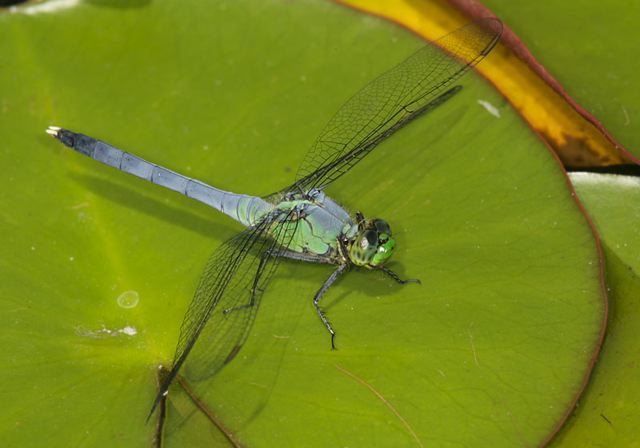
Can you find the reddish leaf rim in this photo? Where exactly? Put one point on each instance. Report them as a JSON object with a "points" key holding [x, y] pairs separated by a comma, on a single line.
{"points": [[474, 9]]}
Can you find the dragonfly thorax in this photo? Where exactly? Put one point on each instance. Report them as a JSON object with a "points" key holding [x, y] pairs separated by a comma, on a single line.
{"points": [[373, 245]]}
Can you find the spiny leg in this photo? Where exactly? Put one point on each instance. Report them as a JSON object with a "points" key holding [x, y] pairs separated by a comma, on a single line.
{"points": [[254, 287], [316, 300], [397, 278], [302, 256]]}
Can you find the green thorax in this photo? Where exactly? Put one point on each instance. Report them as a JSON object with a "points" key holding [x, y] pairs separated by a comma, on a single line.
{"points": [[314, 225]]}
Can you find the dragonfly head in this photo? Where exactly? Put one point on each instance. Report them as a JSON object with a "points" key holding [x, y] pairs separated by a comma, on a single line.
{"points": [[373, 245]]}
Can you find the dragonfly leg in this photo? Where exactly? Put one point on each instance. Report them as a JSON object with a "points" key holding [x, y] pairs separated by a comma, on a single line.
{"points": [[397, 278], [254, 288], [316, 300], [300, 256]]}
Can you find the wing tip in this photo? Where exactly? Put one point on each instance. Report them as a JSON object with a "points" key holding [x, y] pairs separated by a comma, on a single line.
{"points": [[494, 27], [164, 381]]}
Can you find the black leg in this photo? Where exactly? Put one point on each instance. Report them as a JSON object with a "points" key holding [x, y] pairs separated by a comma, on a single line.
{"points": [[308, 257], [263, 259], [316, 300], [397, 278]]}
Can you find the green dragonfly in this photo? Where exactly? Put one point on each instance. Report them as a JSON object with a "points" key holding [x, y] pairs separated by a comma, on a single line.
{"points": [[300, 222]]}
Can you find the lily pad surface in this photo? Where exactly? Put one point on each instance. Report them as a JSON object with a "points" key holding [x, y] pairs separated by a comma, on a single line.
{"points": [[98, 267]]}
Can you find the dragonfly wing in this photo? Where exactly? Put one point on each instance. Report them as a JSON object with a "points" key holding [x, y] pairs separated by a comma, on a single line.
{"points": [[393, 99], [227, 298]]}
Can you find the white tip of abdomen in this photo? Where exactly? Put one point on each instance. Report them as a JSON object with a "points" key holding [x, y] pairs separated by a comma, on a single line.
{"points": [[53, 130]]}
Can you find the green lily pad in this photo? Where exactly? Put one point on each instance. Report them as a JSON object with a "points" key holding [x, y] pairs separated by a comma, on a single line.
{"points": [[590, 48], [607, 413], [98, 267]]}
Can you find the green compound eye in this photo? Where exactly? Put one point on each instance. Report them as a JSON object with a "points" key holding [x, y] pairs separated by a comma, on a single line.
{"points": [[384, 250], [371, 248]]}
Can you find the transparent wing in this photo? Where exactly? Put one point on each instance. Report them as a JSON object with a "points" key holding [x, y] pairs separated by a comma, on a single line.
{"points": [[383, 106], [227, 298]]}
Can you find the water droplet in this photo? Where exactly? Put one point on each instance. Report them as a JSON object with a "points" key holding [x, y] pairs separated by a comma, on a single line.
{"points": [[104, 332], [129, 331], [128, 299]]}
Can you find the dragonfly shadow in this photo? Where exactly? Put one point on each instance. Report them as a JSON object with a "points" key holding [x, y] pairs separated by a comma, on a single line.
{"points": [[377, 283], [262, 384], [370, 283], [150, 206]]}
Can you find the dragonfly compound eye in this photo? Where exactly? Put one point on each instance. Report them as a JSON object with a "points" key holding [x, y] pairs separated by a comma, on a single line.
{"points": [[371, 236], [382, 226], [385, 250]]}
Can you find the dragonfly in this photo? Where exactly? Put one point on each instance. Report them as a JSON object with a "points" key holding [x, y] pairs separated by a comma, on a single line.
{"points": [[300, 222]]}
